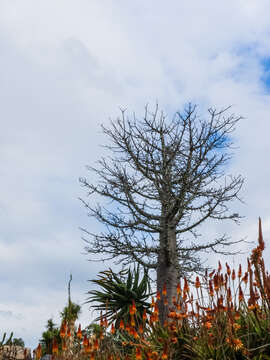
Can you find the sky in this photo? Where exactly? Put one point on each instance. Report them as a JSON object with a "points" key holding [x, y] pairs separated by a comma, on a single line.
{"points": [[68, 66]]}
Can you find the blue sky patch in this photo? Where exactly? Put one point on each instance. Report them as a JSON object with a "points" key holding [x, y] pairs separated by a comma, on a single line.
{"points": [[266, 72]]}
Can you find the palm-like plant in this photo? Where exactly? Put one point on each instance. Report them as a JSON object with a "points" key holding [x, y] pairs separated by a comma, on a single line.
{"points": [[72, 311], [119, 292], [70, 314]]}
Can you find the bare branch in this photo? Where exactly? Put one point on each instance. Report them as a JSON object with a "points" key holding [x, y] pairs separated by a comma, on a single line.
{"points": [[164, 178]]}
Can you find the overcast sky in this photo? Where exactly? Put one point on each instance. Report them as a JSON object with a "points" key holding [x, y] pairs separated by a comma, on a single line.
{"points": [[67, 66]]}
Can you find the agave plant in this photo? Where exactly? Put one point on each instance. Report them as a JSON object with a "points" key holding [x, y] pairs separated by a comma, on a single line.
{"points": [[119, 292]]}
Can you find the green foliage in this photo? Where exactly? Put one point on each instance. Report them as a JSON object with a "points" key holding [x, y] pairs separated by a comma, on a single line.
{"points": [[93, 329], [118, 291], [18, 342], [52, 331], [71, 312]]}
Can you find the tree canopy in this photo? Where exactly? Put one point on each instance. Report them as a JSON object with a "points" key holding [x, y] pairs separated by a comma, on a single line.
{"points": [[163, 179]]}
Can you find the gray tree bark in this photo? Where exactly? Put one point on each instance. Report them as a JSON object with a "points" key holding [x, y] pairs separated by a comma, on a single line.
{"points": [[167, 269]]}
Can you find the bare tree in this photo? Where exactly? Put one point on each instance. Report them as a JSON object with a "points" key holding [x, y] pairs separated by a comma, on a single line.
{"points": [[164, 180]]}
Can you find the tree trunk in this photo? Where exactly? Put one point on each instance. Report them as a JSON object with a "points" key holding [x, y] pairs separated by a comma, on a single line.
{"points": [[167, 272]]}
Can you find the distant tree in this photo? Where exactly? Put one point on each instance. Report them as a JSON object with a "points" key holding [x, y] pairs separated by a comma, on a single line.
{"points": [[164, 178], [70, 312], [52, 331], [18, 342]]}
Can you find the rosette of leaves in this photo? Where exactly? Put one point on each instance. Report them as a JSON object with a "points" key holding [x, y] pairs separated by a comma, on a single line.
{"points": [[117, 292]]}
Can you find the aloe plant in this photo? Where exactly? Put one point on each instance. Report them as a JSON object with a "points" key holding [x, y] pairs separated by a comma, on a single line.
{"points": [[118, 292], [8, 341]]}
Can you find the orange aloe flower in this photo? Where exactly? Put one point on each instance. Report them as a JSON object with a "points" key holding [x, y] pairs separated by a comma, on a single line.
{"points": [[158, 295], [38, 352], [54, 346], [178, 289], [121, 325], [112, 329], [132, 308], [132, 321], [62, 332], [63, 329], [233, 275], [208, 325], [88, 348], [220, 301], [96, 344], [138, 354], [68, 332], [172, 315], [144, 315], [164, 355], [228, 269], [156, 309], [153, 318], [164, 290], [153, 302], [240, 271], [236, 326], [141, 329], [197, 282], [165, 301], [186, 287], [79, 332], [216, 282], [85, 340], [245, 278], [92, 356], [241, 294], [237, 344]]}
